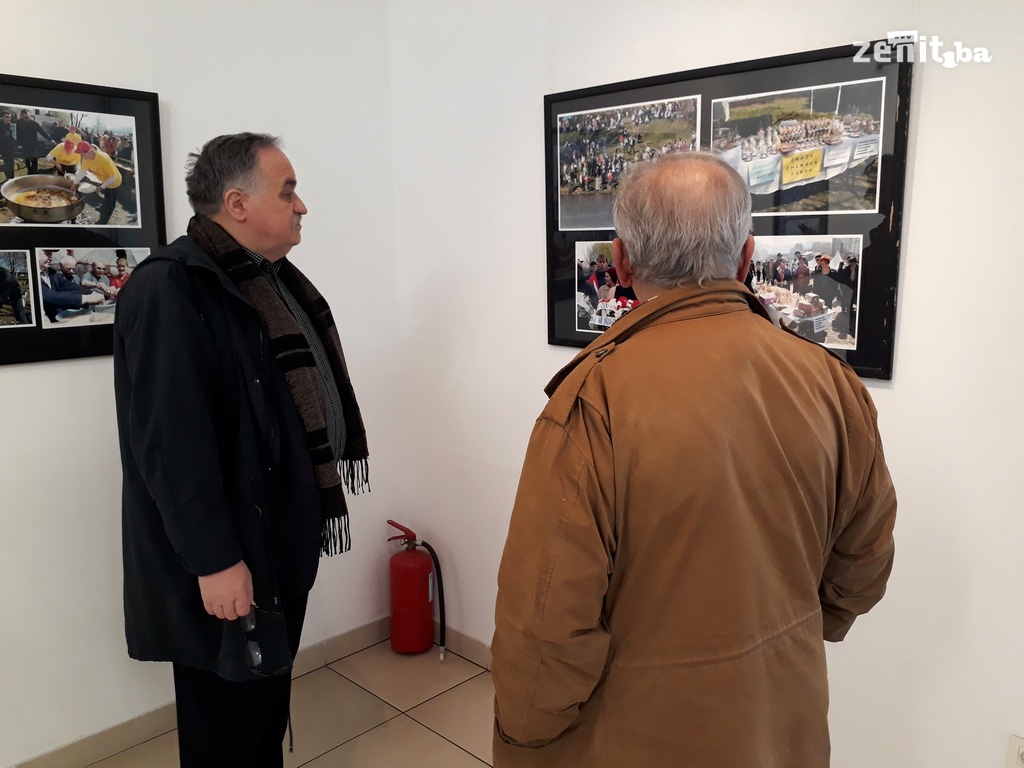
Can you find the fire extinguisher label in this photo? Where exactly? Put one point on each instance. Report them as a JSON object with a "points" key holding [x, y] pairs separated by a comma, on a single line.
{"points": [[430, 588]]}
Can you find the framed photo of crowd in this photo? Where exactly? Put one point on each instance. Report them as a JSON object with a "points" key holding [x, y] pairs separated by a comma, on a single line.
{"points": [[81, 204], [820, 138]]}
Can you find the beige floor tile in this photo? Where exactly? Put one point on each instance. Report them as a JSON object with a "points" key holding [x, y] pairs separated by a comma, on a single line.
{"points": [[328, 710], [161, 752], [405, 681], [398, 742], [464, 715]]}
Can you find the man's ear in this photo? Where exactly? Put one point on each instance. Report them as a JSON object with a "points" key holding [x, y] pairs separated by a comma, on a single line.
{"points": [[623, 269], [746, 254], [234, 204]]}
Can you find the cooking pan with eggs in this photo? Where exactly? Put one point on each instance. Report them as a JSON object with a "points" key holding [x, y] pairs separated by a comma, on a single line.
{"points": [[42, 199]]}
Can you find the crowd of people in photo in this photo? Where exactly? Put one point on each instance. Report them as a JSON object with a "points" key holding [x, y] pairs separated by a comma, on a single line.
{"points": [[832, 280], [587, 123], [120, 146], [70, 287], [600, 295], [831, 283], [72, 151], [596, 161]]}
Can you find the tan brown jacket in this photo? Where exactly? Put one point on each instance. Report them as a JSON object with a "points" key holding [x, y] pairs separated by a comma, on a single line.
{"points": [[704, 501]]}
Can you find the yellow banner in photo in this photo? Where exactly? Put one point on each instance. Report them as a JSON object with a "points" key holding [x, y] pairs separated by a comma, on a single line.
{"points": [[801, 166]]}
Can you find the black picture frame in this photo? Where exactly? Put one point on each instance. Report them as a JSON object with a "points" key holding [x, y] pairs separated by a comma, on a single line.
{"points": [[125, 126], [852, 207]]}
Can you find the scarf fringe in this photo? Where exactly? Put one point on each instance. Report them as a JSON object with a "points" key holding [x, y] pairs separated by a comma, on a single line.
{"points": [[355, 474], [335, 537]]}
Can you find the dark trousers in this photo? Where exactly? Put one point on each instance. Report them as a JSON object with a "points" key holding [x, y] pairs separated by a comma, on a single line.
{"points": [[17, 305], [223, 724], [106, 202], [8, 163]]}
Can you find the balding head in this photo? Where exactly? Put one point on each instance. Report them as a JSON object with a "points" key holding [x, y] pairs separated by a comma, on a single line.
{"points": [[67, 266], [684, 218]]}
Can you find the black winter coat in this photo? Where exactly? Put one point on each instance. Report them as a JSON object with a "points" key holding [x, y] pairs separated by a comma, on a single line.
{"points": [[29, 134], [7, 141], [213, 454]]}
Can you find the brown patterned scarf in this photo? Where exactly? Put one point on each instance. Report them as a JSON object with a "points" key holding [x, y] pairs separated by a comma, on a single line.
{"points": [[289, 347]]}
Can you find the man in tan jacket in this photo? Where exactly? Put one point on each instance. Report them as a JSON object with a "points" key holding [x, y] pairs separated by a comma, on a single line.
{"points": [[704, 502]]}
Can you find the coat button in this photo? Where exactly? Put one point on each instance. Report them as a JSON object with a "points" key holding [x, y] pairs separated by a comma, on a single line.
{"points": [[257, 380]]}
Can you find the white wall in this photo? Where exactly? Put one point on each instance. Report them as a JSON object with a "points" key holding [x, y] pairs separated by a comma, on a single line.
{"points": [[320, 79], [933, 676], [436, 188]]}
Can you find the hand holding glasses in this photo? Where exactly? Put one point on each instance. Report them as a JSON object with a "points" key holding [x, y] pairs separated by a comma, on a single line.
{"points": [[266, 641], [253, 654]]}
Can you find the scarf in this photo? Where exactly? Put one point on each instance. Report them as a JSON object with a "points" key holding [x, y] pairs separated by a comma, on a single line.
{"points": [[295, 359]]}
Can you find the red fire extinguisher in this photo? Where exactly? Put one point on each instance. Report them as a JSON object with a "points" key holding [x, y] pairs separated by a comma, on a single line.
{"points": [[412, 595]]}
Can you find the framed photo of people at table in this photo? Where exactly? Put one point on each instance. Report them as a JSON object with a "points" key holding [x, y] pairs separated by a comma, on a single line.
{"points": [[81, 204], [820, 138]]}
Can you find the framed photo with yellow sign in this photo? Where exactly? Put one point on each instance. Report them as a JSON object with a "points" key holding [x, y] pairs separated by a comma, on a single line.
{"points": [[820, 138]]}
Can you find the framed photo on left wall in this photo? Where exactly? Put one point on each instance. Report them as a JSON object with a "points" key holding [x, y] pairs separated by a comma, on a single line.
{"points": [[81, 204]]}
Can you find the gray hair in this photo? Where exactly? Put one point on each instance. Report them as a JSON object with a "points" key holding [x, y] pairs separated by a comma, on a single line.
{"points": [[683, 218], [224, 163]]}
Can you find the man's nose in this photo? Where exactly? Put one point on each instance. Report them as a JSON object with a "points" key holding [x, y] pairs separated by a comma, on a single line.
{"points": [[300, 207]]}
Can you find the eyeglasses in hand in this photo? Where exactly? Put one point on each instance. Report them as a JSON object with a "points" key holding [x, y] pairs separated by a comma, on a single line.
{"points": [[253, 654]]}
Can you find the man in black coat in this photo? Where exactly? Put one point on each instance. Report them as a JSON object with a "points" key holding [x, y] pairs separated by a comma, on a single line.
{"points": [[236, 417], [825, 282], [29, 134], [847, 276], [7, 146]]}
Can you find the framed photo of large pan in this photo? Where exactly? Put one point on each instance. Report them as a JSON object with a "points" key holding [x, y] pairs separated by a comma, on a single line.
{"points": [[820, 139], [81, 203]]}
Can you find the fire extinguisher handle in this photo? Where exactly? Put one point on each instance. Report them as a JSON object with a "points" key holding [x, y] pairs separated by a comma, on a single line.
{"points": [[406, 532]]}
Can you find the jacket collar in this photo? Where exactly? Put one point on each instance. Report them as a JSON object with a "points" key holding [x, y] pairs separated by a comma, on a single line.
{"points": [[187, 252], [688, 301]]}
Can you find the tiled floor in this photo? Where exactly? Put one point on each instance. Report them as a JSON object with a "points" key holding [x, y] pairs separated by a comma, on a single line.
{"points": [[373, 709]]}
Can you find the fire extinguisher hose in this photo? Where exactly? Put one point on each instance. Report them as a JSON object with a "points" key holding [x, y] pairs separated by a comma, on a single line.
{"points": [[440, 594]]}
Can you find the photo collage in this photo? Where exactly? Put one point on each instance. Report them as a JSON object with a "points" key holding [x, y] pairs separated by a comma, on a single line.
{"points": [[814, 152], [80, 208]]}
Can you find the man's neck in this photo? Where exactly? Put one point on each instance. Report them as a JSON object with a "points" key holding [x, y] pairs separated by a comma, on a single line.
{"points": [[645, 291], [239, 234]]}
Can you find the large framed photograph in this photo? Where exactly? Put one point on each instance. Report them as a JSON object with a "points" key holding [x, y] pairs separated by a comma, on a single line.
{"points": [[819, 137], [81, 204]]}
